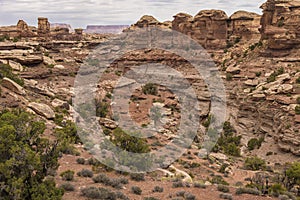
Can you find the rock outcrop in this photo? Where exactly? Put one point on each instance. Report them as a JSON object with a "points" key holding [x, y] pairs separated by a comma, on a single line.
{"points": [[13, 86], [43, 26], [42, 109], [280, 26]]}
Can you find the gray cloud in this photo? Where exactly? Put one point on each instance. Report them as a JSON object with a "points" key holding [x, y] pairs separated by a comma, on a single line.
{"points": [[82, 12]]}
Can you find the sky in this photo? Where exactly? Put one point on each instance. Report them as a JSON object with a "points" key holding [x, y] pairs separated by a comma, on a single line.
{"points": [[80, 13]]}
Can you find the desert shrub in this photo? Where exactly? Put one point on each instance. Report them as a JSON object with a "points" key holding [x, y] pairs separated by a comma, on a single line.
{"points": [[276, 190], [137, 177], [180, 193], [80, 161], [102, 108], [254, 143], [226, 196], [136, 190], [189, 196], [158, 189], [199, 185], [98, 193], [68, 187], [229, 76], [26, 158], [218, 180], [293, 173], [150, 198], [228, 142], [298, 100], [252, 191], [85, 173], [122, 196], [177, 184], [150, 88], [255, 163], [7, 71], [298, 80], [223, 188], [93, 161], [297, 110], [115, 183], [67, 175]]}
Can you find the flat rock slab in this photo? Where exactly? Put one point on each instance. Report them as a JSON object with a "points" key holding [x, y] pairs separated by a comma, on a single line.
{"points": [[42, 109]]}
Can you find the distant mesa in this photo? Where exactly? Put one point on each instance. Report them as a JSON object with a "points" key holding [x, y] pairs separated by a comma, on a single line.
{"points": [[105, 29]]}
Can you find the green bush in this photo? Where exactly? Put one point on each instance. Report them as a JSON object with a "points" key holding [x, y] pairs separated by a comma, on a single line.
{"points": [[129, 143], [67, 175], [298, 80], [115, 183], [80, 161], [228, 142], [223, 188], [276, 190], [255, 163], [68, 187], [136, 190], [293, 173], [85, 173], [254, 143], [26, 157], [298, 100], [177, 184], [199, 185], [150, 88]]}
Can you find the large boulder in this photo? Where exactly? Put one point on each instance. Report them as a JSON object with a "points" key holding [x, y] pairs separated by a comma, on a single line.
{"points": [[13, 86], [42, 109]]}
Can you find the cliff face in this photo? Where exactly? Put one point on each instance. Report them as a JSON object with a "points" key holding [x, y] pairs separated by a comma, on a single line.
{"points": [[213, 29], [280, 26]]}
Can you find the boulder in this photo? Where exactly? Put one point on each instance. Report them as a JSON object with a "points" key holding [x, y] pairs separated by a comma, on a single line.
{"points": [[233, 70], [57, 103], [15, 65], [59, 67], [42, 109], [107, 123], [48, 61], [43, 26], [13, 86]]}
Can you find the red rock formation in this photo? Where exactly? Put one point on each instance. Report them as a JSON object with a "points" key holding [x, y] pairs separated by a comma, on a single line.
{"points": [[280, 25], [43, 26]]}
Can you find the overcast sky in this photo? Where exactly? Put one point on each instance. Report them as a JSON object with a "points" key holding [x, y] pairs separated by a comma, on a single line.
{"points": [[80, 13]]}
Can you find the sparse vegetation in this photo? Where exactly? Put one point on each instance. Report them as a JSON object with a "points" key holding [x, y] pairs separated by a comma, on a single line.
{"points": [[223, 188], [137, 177], [68, 187], [158, 189], [136, 190], [85, 173], [150, 88], [252, 191], [254, 143], [80, 161], [6, 71], [67, 175], [297, 110], [255, 163], [273, 76], [226, 196], [228, 142], [98, 193]]}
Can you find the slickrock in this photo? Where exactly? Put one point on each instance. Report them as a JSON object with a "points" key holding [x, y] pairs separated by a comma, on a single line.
{"points": [[42, 109]]}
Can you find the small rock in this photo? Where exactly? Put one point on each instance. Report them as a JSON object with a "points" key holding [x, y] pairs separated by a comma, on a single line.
{"points": [[259, 96], [108, 123], [233, 70], [48, 61], [251, 82], [57, 103], [59, 67]]}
